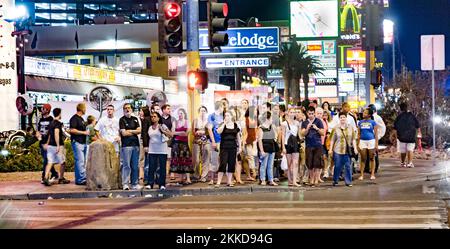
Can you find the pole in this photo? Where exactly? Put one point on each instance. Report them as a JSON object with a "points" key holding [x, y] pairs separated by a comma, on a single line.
{"points": [[433, 101], [393, 62], [21, 75], [192, 54]]}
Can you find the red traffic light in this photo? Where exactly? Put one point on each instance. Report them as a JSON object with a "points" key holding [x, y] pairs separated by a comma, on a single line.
{"points": [[172, 10], [219, 9]]}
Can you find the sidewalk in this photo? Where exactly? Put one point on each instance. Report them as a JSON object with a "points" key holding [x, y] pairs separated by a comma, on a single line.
{"points": [[27, 186]]}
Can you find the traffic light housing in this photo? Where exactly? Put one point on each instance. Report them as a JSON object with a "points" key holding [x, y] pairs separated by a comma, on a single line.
{"points": [[197, 80], [170, 26], [376, 79], [217, 22], [372, 25]]}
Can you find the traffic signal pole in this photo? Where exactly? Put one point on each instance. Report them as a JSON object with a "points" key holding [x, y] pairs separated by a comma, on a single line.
{"points": [[192, 54]]}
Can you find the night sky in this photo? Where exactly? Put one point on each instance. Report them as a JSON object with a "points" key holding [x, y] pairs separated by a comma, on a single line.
{"points": [[412, 19]]}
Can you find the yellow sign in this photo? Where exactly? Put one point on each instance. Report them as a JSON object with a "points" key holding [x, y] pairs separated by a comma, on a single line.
{"points": [[355, 18], [94, 74]]}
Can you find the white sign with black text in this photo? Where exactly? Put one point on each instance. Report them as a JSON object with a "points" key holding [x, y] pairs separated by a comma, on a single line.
{"points": [[237, 62]]}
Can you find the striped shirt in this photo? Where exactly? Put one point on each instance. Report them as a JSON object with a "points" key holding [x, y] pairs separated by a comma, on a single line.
{"points": [[339, 140]]}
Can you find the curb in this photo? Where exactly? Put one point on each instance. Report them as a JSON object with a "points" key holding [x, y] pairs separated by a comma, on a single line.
{"points": [[156, 193]]}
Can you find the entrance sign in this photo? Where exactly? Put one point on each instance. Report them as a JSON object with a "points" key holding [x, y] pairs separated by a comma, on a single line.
{"points": [[237, 62]]}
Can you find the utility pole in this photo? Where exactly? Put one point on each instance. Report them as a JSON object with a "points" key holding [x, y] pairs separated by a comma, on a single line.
{"points": [[192, 54]]}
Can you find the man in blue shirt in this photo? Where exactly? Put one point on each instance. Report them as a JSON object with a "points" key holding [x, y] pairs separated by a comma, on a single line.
{"points": [[313, 129], [214, 120]]}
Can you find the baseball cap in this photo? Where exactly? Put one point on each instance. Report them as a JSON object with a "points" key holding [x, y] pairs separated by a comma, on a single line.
{"points": [[47, 106]]}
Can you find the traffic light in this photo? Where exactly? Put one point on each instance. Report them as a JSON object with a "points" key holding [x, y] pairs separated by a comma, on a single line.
{"points": [[376, 79], [217, 22], [372, 25], [170, 26], [198, 80]]}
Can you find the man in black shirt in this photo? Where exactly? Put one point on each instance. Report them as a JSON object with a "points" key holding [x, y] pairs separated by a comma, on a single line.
{"points": [[78, 135], [407, 127], [42, 136], [55, 148], [129, 131]]}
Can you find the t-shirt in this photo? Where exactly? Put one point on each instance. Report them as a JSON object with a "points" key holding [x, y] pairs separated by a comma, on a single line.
{"points": [[214, 120], [313, 138], [43, 125], [367, 128], [77, 122], [131, 123], [92, 133], [56, 125], [108, 128], [406, 125]]}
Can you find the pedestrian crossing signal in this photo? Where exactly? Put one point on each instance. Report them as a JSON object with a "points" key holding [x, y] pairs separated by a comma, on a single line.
{"points": [[198, 80]]}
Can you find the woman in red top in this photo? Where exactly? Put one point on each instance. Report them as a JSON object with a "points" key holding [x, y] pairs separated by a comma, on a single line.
{"points": [[181, 161]]}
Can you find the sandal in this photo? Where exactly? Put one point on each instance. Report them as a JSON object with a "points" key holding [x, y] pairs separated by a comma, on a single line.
{"points": [[230, 185]]}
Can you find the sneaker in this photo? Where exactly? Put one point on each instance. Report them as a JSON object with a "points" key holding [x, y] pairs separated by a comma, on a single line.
{"points": [[372, 178], [80, 183], [403, 165], [263, 183], [276, 180], [326, 175], [162, 188], [211, 182], [148, 187], [410, 165], [349, 185], [335, 184], [273, 183], [203, 180], [47, 182], [126, 187], [136, 187], [63, 181]]}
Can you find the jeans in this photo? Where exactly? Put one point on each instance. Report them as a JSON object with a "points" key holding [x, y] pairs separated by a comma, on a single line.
{"points": [[339, 162], [267, 165], [130, 165], [79, 156], [45, 162], [157, 162], [146, 165]]}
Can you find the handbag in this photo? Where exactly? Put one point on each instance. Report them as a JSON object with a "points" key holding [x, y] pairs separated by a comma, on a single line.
{"points": [[292, 145], [284, 165], [350, 149]]}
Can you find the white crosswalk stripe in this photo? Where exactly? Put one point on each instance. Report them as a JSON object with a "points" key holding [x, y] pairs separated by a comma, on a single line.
{"points": [[141, 213]]}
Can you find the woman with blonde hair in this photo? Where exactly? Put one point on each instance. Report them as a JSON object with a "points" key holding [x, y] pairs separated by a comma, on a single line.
{"points": [[290, 145]]}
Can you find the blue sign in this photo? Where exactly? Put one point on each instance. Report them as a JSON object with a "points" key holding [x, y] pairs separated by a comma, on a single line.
{"points": [[261, 40]]}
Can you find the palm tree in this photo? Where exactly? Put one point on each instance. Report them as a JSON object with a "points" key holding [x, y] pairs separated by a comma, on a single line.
{"points": [[296, 64], [309, 66]]}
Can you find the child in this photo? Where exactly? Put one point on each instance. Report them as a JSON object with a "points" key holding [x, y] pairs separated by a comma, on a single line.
{"points": [[93, 134]]}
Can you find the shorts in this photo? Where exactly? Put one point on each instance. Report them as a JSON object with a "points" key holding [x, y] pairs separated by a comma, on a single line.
{"points": [[367, 144], [324, 150], [56, 158], [405, 147], [314, 158]]}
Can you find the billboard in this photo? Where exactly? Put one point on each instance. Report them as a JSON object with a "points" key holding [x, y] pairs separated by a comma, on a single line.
{"points": [[315, 19], [9, 118], [346, 78], [357, 60], [257, 40]]}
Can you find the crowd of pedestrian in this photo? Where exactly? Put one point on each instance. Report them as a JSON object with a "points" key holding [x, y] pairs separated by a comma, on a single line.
{"points": [[305, 144]]}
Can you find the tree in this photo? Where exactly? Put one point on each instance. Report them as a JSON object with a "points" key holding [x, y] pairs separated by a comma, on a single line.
{"points": [[296, 64]]}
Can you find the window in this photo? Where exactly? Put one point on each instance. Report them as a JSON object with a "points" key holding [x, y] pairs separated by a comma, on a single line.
{"points": [[89, 16], [71, 16], [60, 24], [45, 16], [71, 6], [59, 6], [42, 6], [109, 7], [85, 61], [72, 61], [59, 16], [91, 6]]}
